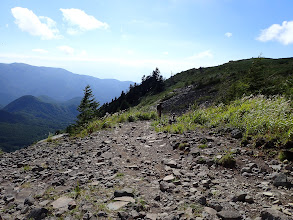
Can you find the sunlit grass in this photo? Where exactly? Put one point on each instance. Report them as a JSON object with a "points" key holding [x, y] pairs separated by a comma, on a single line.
{"points": [[110, 121], [255, 116]]}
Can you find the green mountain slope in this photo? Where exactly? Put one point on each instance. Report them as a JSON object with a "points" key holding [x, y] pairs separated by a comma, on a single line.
{"points": [[29, 119], [33, 106], [219, 84]]}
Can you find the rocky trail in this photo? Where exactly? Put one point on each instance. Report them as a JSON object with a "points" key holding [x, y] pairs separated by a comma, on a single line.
{"points": [[132, 172]]}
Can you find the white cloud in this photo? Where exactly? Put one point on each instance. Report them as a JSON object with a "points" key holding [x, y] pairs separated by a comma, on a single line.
{"points": [[7, 25], [281, 33], [201, 55], [29, 22], [83, 53], [66, 49], [228, 34], [80, 21], [130, 52], [42, 51], [166, 53]]}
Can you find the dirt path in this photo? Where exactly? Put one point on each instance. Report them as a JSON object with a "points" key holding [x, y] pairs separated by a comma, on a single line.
{"points": [[132, 172]]}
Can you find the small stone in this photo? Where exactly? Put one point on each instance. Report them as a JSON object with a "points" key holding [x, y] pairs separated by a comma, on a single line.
{"points": [[151, 216], [169, 178], [71, 205], [229, 215], [249, 199], [164, 186], [281, 180], [273, 214], [29, 201], [38, 213], [116, 205], [210, 211], [125, 199], [124, 192], [240, 197], [268, 194], [171, 163], [236, 133], [62, 203]]}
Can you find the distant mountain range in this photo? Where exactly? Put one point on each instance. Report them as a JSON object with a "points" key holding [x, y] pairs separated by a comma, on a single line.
{"points": [[18, 79], [36, 101]]}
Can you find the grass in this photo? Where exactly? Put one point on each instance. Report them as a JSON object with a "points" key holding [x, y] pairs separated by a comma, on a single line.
{"points": [[26, 168], [202, 146], [111, 121], [256, 116], [50, 138], [119, 175], [182, 146], [227, 160]]}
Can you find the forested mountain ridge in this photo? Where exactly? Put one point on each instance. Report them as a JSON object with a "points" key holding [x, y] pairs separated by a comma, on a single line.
{"points": [[28, 119], [18, 79]]}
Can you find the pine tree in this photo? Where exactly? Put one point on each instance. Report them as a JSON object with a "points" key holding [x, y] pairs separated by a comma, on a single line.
{"points": [[88, 107]]}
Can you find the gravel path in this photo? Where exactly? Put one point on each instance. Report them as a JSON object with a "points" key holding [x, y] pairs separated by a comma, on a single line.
{"points": [[132, 172]]}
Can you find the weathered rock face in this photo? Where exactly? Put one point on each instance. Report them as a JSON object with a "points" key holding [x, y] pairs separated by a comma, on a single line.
{"points": [[131, 172]]}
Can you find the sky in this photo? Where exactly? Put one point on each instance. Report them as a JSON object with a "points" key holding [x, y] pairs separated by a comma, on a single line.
{"points": [[126, 39]]}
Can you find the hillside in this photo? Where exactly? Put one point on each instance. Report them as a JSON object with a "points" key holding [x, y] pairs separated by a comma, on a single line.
{"points": [[19, 79], [211, 85], [33, 106], [28, 119]]}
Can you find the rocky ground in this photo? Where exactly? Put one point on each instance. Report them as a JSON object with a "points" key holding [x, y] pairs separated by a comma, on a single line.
{"points": [[132, 172]]}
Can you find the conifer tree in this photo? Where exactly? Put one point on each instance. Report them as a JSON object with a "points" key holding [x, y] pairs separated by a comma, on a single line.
{"points": [[88, 107]]}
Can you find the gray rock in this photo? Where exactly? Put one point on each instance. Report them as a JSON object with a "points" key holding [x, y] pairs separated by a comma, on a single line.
{"points": [[38, 214], [273, 214], [229, 215], [164, 186], [240, 197], [171, 163], [236, 133], [123, 215], [124, 192], [215, 205], [202, 200], [29, 201], [62, 203], [281, 180]]}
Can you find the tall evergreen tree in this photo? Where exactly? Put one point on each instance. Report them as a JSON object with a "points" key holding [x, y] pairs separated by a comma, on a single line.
{"points": [[88, 107]]}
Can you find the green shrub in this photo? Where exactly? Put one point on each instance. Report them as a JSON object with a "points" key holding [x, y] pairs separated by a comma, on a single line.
{"points": [[203, 146], [182, 146], [131, 118], [227, 160], [26, 168], [50, 139]]}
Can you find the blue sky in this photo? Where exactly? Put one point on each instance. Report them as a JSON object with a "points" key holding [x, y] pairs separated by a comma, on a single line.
{"points": [[125, 39]]}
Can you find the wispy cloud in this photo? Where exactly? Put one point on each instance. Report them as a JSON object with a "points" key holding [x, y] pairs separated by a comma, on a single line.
{"points": [[29, 22], [66, 49], [281, 33], [41, 51], [201, 55], [228, 34], [79, 21]]}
